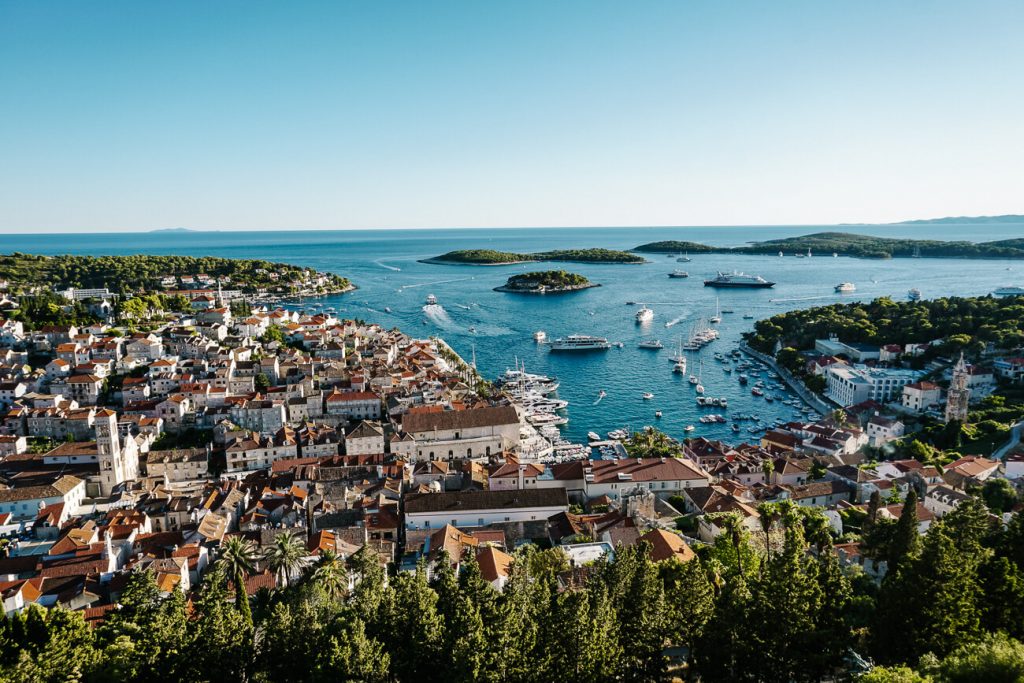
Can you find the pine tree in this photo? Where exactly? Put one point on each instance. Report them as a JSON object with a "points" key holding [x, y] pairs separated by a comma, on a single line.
{"points": [[1002, 601], [412, 612], [689, 599], [906, 540]]}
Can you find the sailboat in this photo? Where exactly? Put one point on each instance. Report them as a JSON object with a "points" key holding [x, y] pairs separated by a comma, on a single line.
{"points": [[700, 371], [717, 317]]}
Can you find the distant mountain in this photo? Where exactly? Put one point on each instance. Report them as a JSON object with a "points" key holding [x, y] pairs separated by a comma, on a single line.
{"points": [[173, 230], [1009, 218]]}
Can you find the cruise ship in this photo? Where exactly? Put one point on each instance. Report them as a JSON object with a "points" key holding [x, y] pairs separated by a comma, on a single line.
{"points": [[580, 342], [738, 279], [644, 315], [1009, 291], [844, 287]]}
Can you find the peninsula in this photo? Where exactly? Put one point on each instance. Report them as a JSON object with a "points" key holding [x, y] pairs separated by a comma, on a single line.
{"points": [[849, 244], [546, 282], [490, 257]]}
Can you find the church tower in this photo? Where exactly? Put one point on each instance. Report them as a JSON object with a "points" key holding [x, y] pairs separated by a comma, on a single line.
{"points": [[959, 396], [116, 465]]}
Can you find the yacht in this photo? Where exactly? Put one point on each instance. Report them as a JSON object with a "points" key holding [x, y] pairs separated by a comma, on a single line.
{"points": [[678, 274], [844, 287], [431, 300], [648, 396], [580, 342], [1009, 291], [657, 414], [644, 315], [654, 344], [680, 367], [593, 436], [914, 294], [737, 279], [688, 428], [717, 317], [540, 336], [685, 258]]}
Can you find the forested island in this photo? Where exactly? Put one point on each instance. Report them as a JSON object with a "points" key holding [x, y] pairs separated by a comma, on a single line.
{"points": [[546, 282], [144, 272], [963, 323], [490, 257], [849, 244]]}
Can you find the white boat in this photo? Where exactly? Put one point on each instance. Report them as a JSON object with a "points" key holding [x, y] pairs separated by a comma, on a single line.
{"points": [[844, 287], [699, 388], [580, 342], [651, 344], [914, 294], [1009, 291], [680, 367], [592, 436], [644, 315], [648, 396], [387, 309], [737, 279], [539, 336], [685, 258], [657, 414], [717, 317], [678, 274], [689, 428], [431, 300], [602, 393]]}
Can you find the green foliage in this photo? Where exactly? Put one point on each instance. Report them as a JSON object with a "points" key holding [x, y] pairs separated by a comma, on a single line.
{"points": [[999, 494], [492, 257], [552, 279]]}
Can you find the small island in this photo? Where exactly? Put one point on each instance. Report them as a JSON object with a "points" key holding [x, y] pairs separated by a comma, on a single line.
{"points": [[490, 257], [546, 282], [849, 244]]}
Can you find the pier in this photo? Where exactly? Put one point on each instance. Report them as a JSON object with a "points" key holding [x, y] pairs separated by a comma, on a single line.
{"points": [[798, 387]]}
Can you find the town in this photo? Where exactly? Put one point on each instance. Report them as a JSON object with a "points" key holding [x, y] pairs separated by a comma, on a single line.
{"points": [[254, 446]]}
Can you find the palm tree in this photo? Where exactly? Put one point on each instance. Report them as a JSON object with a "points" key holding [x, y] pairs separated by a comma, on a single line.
{"points": [[238, 555], [769, 512], [330, 573], [285, 556]]}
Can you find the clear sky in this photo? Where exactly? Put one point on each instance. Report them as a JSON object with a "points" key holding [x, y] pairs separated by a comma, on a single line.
{"points": [[256, 115]]}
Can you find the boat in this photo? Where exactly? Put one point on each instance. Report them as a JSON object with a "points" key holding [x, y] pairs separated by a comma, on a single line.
{"points": [[580, 342], [657, 414], [914, 294], [699, 388], [592, 436], [387, 309], [679, 368], [1009, 291], [748, 316], [735, 427], [678, 274], [756, 391], [431, 300], [685, 258], [648, 396], [540, 336], [472, 329], [726, 311], [717, 317], [602, 393], [688, 428], [743, 379], [781, 254], [654, 344], [644, 315], [737, 279], [844, 287]]}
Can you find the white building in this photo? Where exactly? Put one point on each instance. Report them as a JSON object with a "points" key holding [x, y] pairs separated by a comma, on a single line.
{"points": [[469, 433], [481, 508], [24, 502], [849, 385], [920, 396]]}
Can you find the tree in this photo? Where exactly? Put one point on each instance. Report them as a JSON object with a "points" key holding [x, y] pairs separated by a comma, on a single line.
{"points": [[894, 674], [330, 574], [906, 539], [412, 611], [238, 556], [356, 657], [285, 556], [999, 494], [997, 658], [223, 636], [689, 599], [261, 382]]}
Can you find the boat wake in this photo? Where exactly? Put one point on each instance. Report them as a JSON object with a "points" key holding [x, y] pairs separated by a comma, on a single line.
{"points": [[380, 262], [431, 284], [436, 314], [677, 320]]}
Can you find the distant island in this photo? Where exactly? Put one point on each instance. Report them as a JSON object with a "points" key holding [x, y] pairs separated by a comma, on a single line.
{"points": [[964, 220], [490, 257], [848, 244], [173, 230], [546, 282]]}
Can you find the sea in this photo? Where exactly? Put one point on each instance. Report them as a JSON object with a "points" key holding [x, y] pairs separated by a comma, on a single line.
{"points": [[497, 328]]}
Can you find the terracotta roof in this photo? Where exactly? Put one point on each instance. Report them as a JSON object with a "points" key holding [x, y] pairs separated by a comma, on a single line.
{"points": [[494, 564], [665, 545]]}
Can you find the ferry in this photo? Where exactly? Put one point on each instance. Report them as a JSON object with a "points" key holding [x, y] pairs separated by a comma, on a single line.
{"points": [[914, 294], [580, 342], [540, 336], [654, 344], [1009, 291], [644, 315], [844, 287], [678, 274], [431, 300], [738, 279]]}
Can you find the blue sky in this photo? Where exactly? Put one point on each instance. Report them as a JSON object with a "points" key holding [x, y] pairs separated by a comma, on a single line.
{"points": [[259, 115]]}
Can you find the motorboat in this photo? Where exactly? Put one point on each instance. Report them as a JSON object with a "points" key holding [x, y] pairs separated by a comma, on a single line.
{"points": [[678, 274], [648, 396], [914, 294], [654, 344], [657, 414], [431, 300], [592, 436], [1009, 291], [644, 315], [845, 287], [688, 428], [540, 336]]}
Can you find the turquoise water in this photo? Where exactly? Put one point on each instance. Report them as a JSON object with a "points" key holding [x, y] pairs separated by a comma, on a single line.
{"points": [[384, 266]]}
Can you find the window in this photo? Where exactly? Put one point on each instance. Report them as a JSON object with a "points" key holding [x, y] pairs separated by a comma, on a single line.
{"points": [[480, 522]]}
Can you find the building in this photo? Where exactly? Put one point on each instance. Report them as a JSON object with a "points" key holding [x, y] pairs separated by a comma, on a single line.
{"points": [[849, 385], [117, 464], [1009, 368], [481, 508], [920, 396], [468, 433], [882, 430], [25, 502]]}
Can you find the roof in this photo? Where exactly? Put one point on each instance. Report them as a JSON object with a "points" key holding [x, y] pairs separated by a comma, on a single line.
{"points": [[59, 488], [488, 416], [665, 545], [462, 501], [637, 469], [494, 564]]}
